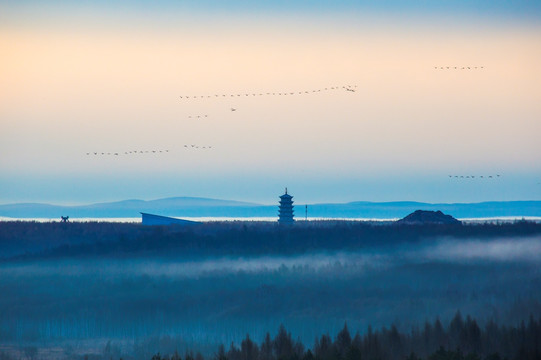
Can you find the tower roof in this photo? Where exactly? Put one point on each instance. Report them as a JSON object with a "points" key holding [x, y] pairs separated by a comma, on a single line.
{"points": [[286, 195]]}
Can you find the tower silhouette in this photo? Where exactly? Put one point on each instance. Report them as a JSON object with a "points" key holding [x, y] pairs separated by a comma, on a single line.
{"points": [[285, 212]]}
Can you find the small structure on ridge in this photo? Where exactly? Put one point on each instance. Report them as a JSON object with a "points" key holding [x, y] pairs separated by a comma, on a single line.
{"points": [[420, 217], [152, 219], [285, 212]]}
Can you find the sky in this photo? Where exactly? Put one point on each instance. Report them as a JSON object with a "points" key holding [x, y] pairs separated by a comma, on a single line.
{"points": [[116, 77]]}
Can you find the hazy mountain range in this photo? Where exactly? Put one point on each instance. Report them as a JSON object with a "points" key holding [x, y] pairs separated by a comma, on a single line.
{"points": [[203, 207]]}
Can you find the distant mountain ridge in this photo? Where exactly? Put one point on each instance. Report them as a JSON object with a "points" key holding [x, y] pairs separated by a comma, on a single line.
{"points": [[206, 207]]}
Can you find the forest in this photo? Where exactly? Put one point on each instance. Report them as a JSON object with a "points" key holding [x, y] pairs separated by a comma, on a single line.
{"points": [[460, 339], [69, 290], [27, 239]]}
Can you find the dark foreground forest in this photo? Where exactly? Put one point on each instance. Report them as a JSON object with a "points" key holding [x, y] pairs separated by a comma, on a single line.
{"points": [[461, 339], [126, 290]]}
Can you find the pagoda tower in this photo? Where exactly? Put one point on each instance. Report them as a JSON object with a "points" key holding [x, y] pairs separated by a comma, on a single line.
{"points": [[285, 212]]}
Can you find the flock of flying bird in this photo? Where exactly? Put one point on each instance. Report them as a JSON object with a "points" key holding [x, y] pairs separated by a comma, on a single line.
{"points": [[350, 88], [127, 152], [197, 147], [459, 67], [473, 176], [139, 152]]}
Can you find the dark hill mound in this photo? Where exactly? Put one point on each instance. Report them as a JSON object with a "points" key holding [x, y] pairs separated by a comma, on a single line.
{"points": [[428, 217]]}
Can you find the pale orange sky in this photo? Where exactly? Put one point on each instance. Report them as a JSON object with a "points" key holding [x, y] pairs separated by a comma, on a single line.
{"points": [[114, 89]]}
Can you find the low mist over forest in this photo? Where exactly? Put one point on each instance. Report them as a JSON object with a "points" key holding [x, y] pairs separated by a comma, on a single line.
{"points": [[75, 287]]}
